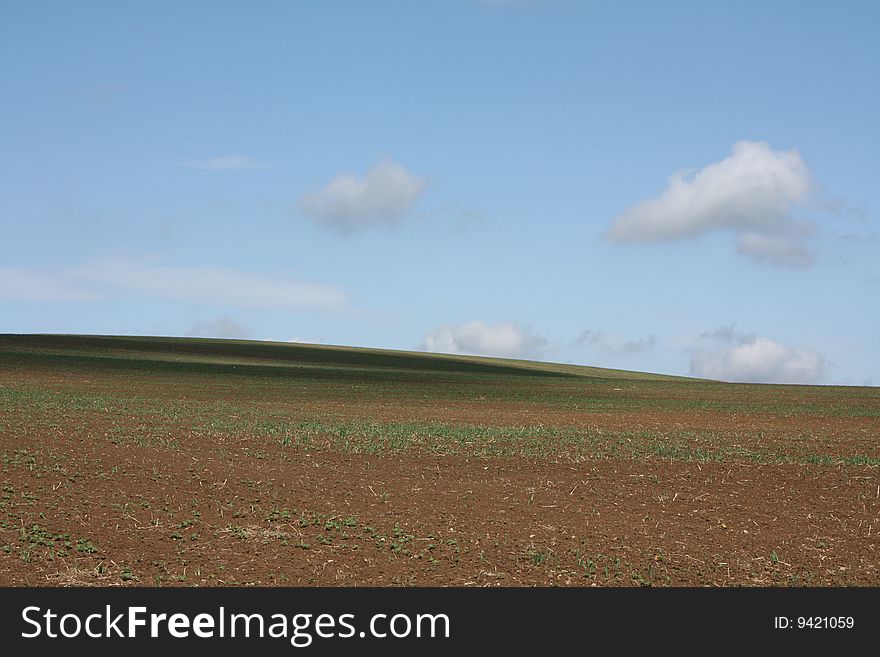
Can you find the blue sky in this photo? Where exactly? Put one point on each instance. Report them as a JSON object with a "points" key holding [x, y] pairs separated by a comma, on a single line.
{"points": [[681, 187]]}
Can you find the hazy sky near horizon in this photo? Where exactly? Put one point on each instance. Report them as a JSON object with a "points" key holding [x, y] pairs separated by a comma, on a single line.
{"points": [[679, 187]]}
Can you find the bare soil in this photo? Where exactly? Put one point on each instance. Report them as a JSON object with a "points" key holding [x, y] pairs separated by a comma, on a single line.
{"points": [[84, 505], [211, 513]]}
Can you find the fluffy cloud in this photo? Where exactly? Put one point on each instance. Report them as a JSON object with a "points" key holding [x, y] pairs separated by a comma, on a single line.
{"points": [[598, 339], [222, 327], [382, 196], [751, 193], [225, 163], [211, 285], [504, 340], [757, 360]]}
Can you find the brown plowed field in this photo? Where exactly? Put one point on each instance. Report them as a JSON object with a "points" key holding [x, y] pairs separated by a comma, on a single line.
{"points": [[116, 474]]}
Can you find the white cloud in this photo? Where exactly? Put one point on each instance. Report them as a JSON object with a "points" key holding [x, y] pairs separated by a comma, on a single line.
{"points": [[111, 279], [225, 163], [222, 327], [504, 340], [758, 360], [751, 193], [382, 196]]}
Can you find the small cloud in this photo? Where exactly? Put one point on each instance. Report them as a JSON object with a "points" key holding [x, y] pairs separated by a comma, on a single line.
{"points": [[751, 193], [349, 203], [225, 163], [759, 360], [222, 327], [504, 340], [599, 340]]}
